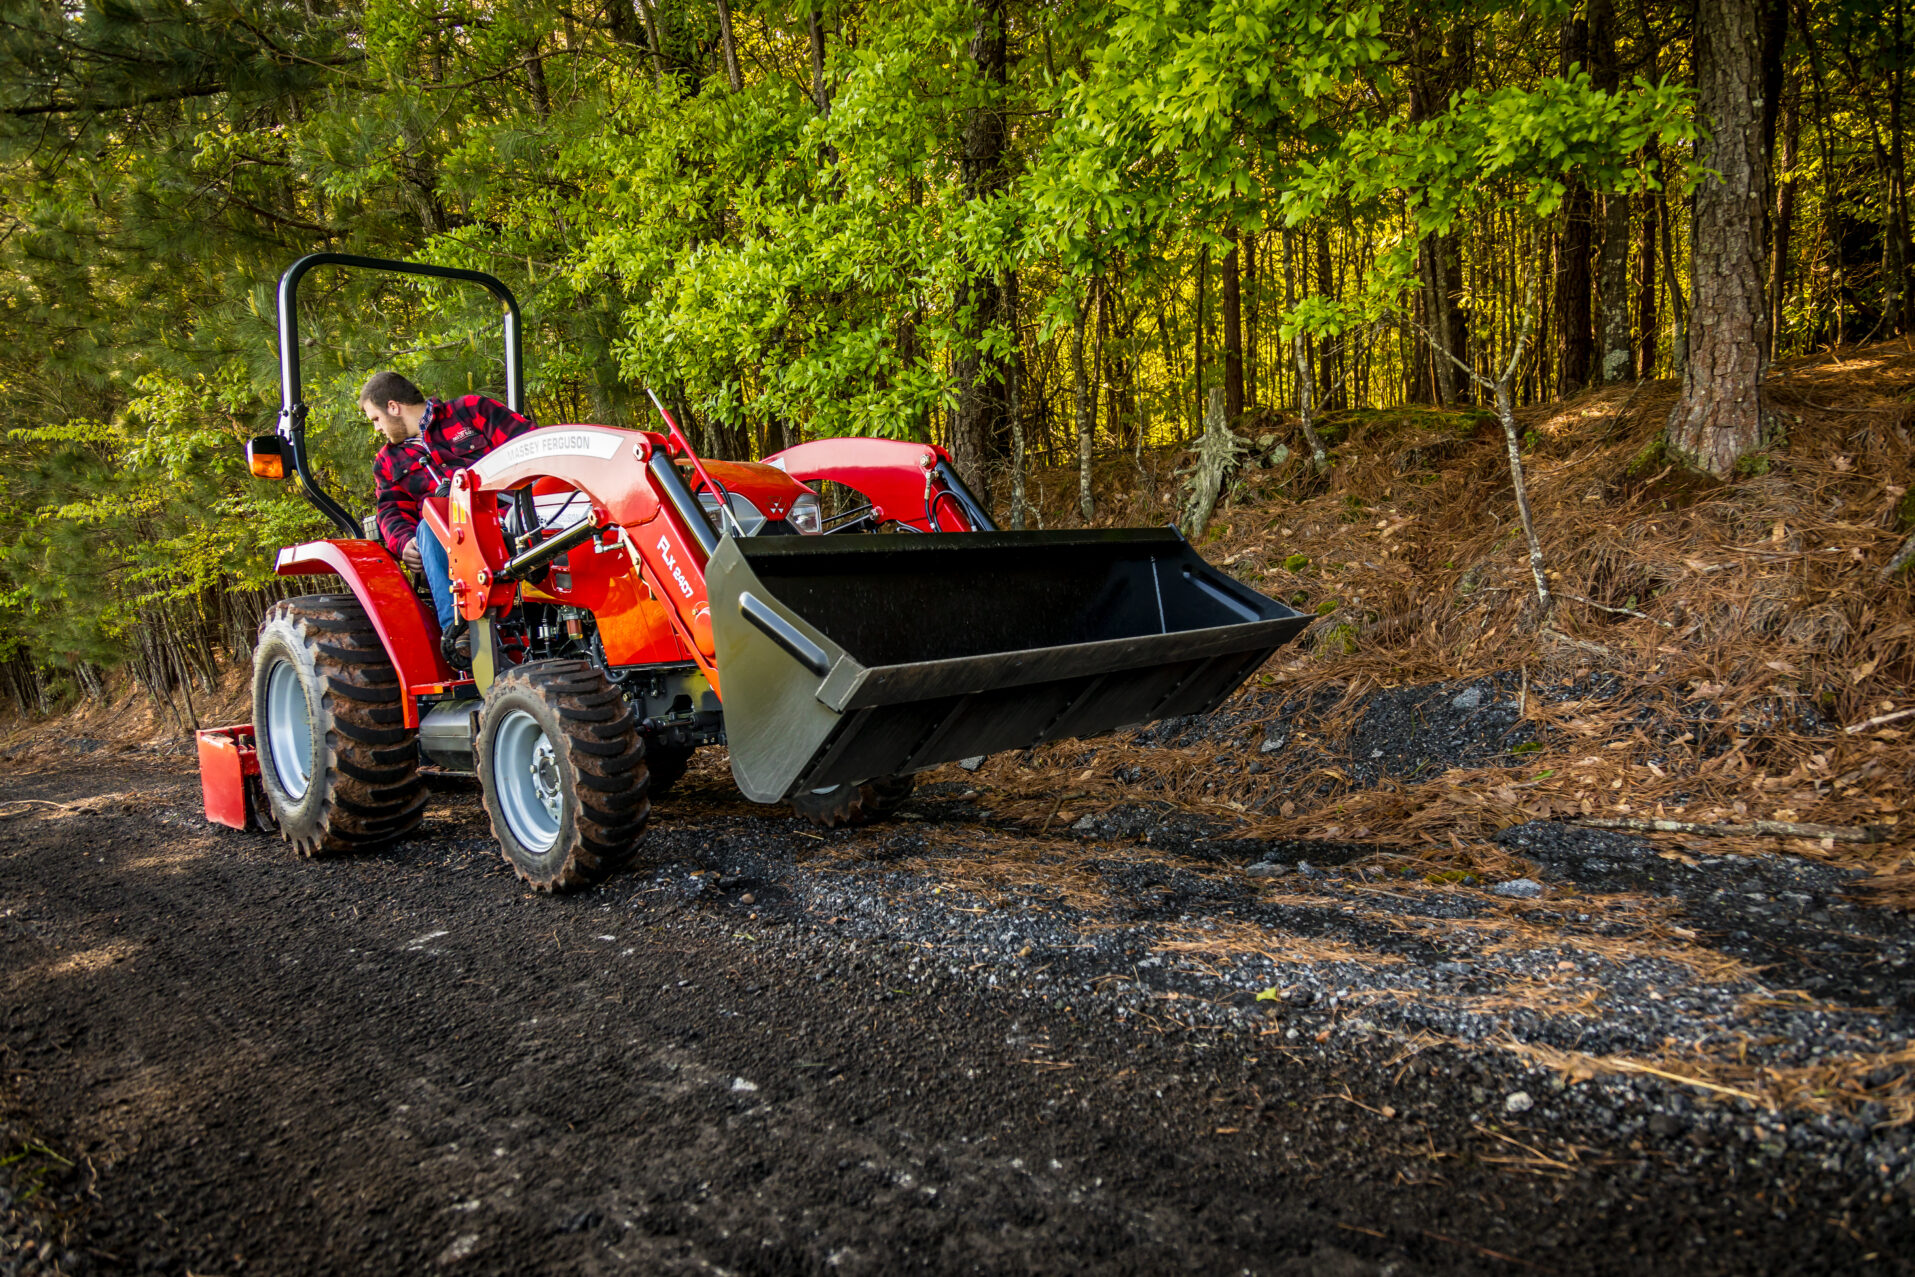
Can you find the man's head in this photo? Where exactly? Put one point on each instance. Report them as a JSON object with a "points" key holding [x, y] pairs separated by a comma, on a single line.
{"points": [[393, 405]]}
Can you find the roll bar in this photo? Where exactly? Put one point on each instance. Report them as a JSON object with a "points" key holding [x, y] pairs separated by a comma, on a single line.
{"points": [[292, 405]]}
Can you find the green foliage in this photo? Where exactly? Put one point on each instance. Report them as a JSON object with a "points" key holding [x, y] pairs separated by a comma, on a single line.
{"points": [[1296, 562], [777, 269]]}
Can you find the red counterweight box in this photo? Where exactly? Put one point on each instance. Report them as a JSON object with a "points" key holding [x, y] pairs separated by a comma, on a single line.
{"points": [[229, 777]]}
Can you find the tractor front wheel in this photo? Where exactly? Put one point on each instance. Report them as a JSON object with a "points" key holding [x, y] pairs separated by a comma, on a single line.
{"points": [[338, 766], [563, 768], [853, 803]]}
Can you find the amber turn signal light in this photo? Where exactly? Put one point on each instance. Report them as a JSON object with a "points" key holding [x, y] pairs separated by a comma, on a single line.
{"points": [[266, 457]]}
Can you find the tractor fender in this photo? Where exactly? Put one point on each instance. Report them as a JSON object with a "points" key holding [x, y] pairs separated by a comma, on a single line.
{"points": [[893, 474], [409, 632]]}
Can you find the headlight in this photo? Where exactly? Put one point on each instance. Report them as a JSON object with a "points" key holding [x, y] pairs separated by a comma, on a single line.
{"points": [[806, 515]]}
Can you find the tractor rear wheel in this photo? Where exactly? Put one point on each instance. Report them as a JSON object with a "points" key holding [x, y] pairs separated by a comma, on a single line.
{"points": [[563, 769], [338, 765], [853, 803]]}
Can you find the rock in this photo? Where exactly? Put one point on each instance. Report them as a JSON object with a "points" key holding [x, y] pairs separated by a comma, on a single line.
{"points": [[1084, 824], [742, 1086], [748, 899], [1278, 455], [1518, 889], [1272, 744], [1267, 869], [971, 764], [1308, 870], [1468, 698], [461, 1247], [1264, 441], [1518, 1102]]}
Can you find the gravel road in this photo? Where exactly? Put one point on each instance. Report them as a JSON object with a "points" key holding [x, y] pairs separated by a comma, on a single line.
{"points": [[937, 1045]]}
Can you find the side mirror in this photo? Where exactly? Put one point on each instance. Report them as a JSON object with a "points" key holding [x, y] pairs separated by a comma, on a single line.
{"points": [[266, 457]]}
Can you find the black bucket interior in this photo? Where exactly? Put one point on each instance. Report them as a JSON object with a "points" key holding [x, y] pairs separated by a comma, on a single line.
{"points": [[932, 598]]}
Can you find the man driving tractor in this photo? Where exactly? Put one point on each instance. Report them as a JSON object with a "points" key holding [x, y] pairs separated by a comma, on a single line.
{"points": [[426, 440]]}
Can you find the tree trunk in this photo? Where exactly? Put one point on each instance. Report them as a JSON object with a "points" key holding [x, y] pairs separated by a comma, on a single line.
{"points": [[1327, 383], [1718, 419], [1783, 226], [1775, 39], [1900, 299], [623, 19], [1419, 374], [1616, 352], [1646, 319], [1454, 315], [731, 46], [1203, 280], [1613, 253], [652, 38], [981, 379], [1576, 342], [1251, 316], [1306, 374], [1014, 387], [1086, 423], [1437, 291], [1232, 332], [1217, 451], [1678, 304], [816, 29]]}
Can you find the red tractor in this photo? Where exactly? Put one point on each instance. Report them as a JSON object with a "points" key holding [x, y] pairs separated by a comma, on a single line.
{"points": [[626, 602]]}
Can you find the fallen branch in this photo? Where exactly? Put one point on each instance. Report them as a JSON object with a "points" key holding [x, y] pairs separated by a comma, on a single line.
{"points": [[41, 802], [1558, 636], [1761, 828], [1902, 558], [1619, 611], [1878, 721]]}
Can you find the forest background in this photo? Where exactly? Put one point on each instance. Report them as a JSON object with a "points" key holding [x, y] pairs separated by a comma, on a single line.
{"points": [[1039, 233]]}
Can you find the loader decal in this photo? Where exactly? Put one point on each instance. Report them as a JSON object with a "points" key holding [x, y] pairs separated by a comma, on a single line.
{"points": [[678, 575], [548, 443]]}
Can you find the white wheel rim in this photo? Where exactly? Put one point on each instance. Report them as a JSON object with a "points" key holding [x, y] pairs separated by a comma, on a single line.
{"points": [[525, 774], [289, 730]]}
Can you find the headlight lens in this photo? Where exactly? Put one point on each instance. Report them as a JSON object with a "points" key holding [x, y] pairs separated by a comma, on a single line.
{"points": [[807, 516]]}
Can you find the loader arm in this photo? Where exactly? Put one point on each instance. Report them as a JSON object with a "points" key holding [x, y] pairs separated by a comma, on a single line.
{"points": [[642, 510]]}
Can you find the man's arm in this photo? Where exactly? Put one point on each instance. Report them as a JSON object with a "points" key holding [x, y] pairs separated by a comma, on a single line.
{"points": [[496, 421], [397, 507]]}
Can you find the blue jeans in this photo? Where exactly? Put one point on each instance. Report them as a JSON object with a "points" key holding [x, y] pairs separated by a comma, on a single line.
{"points": [[438, 572]]}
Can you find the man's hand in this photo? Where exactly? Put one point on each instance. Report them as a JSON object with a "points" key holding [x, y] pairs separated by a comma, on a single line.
{"points": [[410, 555]]}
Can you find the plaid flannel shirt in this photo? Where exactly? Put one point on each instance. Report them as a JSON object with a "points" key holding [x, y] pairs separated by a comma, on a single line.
{"points": [[452, 437]]}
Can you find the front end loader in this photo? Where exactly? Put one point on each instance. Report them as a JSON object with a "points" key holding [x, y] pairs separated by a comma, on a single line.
{"points": [[625, 602]]}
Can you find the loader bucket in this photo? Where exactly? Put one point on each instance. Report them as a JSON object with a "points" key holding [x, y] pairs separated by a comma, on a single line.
{"points": [[844, 658]]}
